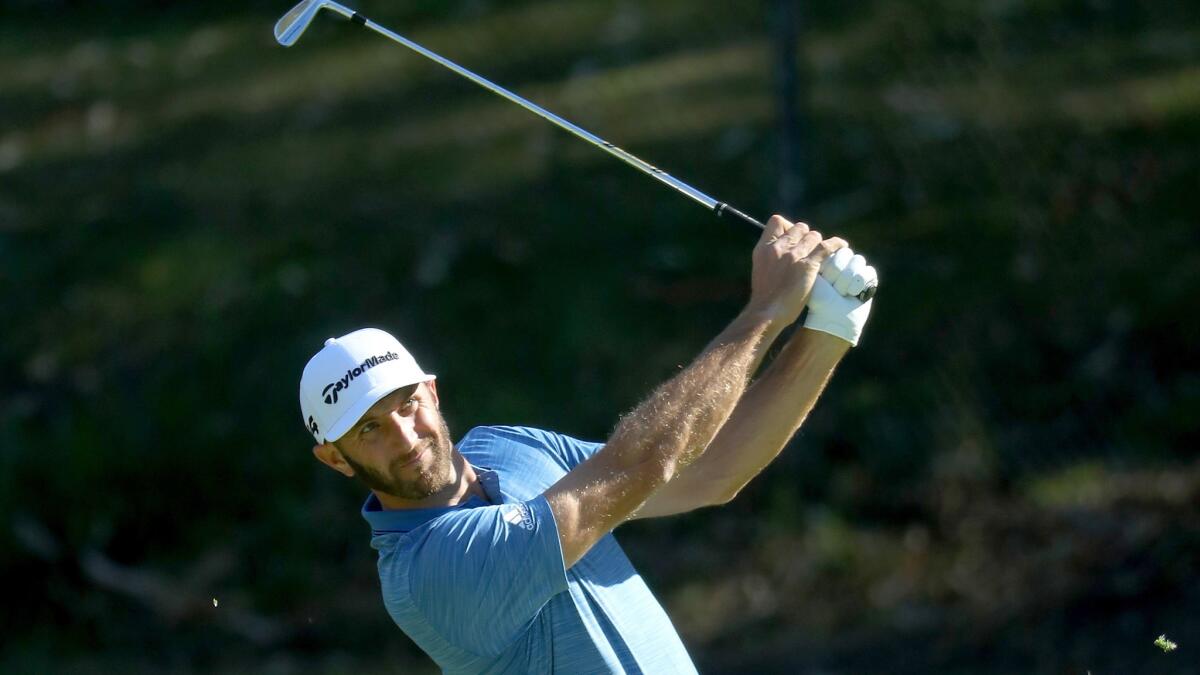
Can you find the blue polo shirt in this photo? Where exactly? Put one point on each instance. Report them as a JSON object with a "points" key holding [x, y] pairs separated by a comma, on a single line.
{"points": [[481, 587]]}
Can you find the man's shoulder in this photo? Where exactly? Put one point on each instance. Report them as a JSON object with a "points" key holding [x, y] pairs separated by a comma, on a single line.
{"points": [[510, 432], [496, 433], [500, 447]]}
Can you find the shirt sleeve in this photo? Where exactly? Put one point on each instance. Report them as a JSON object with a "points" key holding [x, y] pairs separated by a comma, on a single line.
{"points": [[570, 451], [481, 575]]}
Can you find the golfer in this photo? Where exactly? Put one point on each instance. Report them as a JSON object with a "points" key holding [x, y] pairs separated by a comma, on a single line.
{"points": [[497, 555]]}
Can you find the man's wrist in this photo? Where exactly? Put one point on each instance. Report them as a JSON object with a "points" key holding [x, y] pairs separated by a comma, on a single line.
{"points": [[826, 346], [834, 327], [773, 315], [809, 350]]}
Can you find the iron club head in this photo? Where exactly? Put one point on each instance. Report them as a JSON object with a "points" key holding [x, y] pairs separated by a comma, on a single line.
{"points": [[291, 25]]}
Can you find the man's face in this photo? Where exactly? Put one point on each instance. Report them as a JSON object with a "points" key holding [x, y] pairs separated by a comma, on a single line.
{"points": [[401, 446]]}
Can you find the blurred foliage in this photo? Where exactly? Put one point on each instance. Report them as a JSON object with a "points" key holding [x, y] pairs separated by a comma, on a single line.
{"points": [[1002, 478]]}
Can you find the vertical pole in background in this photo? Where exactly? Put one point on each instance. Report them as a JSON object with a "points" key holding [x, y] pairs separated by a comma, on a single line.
{"points": [[785, 28]]}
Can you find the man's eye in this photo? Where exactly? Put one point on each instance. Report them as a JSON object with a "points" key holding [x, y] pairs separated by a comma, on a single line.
{"points": [[409, 404], [368, 427]]}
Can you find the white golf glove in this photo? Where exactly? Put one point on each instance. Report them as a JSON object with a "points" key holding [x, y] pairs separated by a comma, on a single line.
{"points": [[832, 306]]}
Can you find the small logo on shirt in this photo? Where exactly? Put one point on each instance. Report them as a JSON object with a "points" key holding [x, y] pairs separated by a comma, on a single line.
{"points": [[516, 515]]}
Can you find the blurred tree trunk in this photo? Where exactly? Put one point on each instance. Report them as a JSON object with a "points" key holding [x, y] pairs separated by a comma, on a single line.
{"points": [[785, 28]]}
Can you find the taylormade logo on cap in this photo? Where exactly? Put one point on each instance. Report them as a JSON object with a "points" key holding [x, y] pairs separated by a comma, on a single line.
{"points": [[330, 392], [348, 376]]}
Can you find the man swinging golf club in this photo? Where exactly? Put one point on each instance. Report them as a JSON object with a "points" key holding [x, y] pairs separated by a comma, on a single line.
{"points": [[496, 554]]}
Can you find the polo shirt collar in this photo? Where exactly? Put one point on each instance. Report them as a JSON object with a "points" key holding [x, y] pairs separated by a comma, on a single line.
{"points": [[384, 521]]}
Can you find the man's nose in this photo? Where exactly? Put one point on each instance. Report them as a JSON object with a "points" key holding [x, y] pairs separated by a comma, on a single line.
{"points": [[404, 427]]}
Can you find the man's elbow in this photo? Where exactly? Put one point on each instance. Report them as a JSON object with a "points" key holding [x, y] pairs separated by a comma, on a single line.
{"points": [[724, 497]]}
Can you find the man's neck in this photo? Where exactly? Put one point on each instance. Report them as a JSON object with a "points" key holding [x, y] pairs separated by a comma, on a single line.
{"points": [[462, 487]]}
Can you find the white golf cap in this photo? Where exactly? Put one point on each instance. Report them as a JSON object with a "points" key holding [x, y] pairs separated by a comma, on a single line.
{"points": [[349, 375]]}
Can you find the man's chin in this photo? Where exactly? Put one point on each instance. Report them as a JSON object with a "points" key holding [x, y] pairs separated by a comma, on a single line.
{"points": [[426, 484]]}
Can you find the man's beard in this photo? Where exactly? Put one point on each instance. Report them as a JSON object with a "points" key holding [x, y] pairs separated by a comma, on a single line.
{"points": [[438, 476]]}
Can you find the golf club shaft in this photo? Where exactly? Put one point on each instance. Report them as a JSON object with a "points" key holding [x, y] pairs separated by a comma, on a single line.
{"points": [[718, 207]]}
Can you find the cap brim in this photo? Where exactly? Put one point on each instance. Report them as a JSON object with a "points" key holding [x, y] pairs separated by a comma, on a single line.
{"points": [[362, 405]]}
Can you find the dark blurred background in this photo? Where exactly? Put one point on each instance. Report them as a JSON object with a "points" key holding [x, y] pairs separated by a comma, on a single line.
{"points": [[1002, 478]]}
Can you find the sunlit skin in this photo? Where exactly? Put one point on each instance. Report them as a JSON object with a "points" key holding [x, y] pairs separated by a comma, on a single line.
{"points": [[401, 449]]}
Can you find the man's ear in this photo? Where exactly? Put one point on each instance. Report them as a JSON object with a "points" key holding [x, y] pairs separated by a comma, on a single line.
{"points": [[432, 386], [329, 455]]}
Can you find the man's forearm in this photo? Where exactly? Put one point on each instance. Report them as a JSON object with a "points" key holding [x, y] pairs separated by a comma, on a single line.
{"points": [[660, 437], [765, 418], [676, 422]]}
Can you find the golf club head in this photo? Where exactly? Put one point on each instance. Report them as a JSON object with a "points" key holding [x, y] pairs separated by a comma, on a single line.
{"points": [[289, 27]]}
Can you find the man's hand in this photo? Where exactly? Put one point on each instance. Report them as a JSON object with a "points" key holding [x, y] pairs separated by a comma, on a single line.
{"points": [[786, 263], [832, 306]]}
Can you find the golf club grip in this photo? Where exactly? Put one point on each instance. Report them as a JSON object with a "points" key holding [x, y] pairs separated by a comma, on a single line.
{"points": [[722, 209]]}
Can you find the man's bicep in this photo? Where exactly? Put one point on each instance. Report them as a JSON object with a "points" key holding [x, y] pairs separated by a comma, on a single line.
{"points": [[596, 497], [480, 578]]}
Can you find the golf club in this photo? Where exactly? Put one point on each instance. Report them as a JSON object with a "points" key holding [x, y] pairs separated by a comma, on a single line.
{"points": [[291, 26]]}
